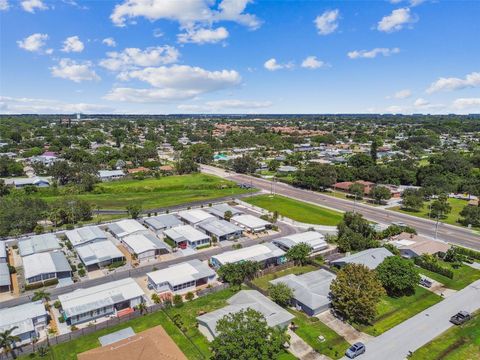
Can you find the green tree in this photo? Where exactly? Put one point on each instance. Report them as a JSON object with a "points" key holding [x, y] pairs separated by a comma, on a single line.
{"points": [[134, 211], [398, 276], [412, 199], [177, 300], [41, 295], [440, 207], [20, 214], [4, 189], [156, 299], [245, 335], [8, 340], [186, 166], [356, 292], [380, 193], [281, 293], [470, 215], [227, 215], [244, 165], [357, 190], [236, 273], [199, 153], [299, 253], [355, 233], [189, 296]]}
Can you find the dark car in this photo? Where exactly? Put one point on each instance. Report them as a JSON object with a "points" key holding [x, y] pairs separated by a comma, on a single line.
{"points": [[460, 318], [425, 282], [355, 350]]}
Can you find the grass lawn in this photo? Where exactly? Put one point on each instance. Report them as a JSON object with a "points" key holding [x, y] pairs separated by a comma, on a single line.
{"points": [[263, 281], [153, 193], [393, 311], [457, 343], [462, 276], [309, 330], [296, 210]]}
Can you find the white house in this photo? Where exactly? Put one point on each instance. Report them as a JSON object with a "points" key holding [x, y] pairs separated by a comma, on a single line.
{"points": [[311, 238], [194, 216], [162, 222], [266, 254], [38, 244], [127, 227], [109, 175], [186, 236], [45, 266], [250, 223], [144, 245]]}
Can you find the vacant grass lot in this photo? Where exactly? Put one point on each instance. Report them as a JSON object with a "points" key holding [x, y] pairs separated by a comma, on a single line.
{"points": [[154, 193], [462, 276], [296, 210], [393, 311], [457, 343]]}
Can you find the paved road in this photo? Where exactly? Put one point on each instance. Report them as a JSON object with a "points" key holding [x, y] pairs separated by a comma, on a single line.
{"points": [[423, 327], [450, 233]]}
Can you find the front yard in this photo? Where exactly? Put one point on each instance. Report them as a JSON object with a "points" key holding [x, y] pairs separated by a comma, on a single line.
{"points": [[462, 276]]}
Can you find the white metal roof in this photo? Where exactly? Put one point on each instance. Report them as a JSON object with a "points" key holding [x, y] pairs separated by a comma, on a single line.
{"points": [[85, 234], [37, 244], [181, 273], [194, 216], [371, 258], [110, 173], [312, 238], [4, 274], [219, 227], [44, 263], [98, 251], [257, 252], [250, 221], [126, 227], [141, 243], [21, 316], [185, 233], [3, 249]]}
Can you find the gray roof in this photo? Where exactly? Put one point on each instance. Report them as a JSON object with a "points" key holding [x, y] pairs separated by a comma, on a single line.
{"points": [[163, 222], [126, 227], [185, 233], [116, 336], [219, 227], [371, 258], [85, 234], [258, 252], [182, 273], [311, 289], [21, 316], [38, 244], [312, 238], [44, 263], [245, 299], [3, 249], [97, 252], [4, 275], [219, 210]]}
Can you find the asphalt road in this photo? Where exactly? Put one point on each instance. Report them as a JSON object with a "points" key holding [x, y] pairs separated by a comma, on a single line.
{"points": [[423, 327], [453, 234]]}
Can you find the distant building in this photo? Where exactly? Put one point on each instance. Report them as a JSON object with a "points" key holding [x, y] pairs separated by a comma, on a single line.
{"points": [[219, 210], [22, 182], [109, 175], [287, 169], [38, 244], [46, 266], [312, 238], [411, 245], [194, 216], [371, 258], [266, 254]]}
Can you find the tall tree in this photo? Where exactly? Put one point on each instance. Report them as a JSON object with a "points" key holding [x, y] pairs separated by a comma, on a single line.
{"points": [[380, 193], [398, 276], [281, 293], [299, 253], [8, 340]]}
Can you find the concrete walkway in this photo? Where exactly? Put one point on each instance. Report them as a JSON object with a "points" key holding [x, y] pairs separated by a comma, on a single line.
{"points": [[301, 350], [438, 288], [342, 328]]}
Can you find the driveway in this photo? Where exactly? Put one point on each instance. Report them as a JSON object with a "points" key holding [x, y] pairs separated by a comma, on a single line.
{"points": [[343, 329], [423, 327], [301, 350]]}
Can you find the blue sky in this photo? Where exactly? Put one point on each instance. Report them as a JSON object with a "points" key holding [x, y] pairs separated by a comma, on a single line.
{"points": [[239, 56]]}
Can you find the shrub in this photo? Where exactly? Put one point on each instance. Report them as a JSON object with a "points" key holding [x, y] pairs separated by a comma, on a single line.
{"points": [[189, 296], [177, 301], [61, 319], [57, 304], [81, 272], [468, 252], [433, 266]]}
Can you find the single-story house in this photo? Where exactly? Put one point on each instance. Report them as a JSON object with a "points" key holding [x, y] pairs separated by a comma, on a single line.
{"points": [[27, 319], [123, 228], [371, 258], [266, 254], [345, 186], [194, 216], [87, 304], [310, 290], [108, 175], [45, 266], [187, 236], [312, 238], [33, 181], [5, 280], [411, 245], [250, 223], [181, 278], [162, 222], [287, 169], [145, 245], [219, 210], [38, 244], [275, 315], [84, 235], [221, 229], [99, 253]]}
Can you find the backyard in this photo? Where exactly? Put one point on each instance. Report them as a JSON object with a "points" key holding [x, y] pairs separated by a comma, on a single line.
{"points": [[297, 210], [462, 276]]}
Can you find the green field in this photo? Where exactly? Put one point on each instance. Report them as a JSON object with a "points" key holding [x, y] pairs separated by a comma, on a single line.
{"points": [[393, 311], [462, 276], [153, 193], [297, 210], [457, 343]]}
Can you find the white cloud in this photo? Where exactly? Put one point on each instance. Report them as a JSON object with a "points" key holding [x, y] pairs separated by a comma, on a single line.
{"points": [[412, 3], [327, 23], [370, 54], [75, 71], [452, 83], [203, 36], [420, 102], [229, 104], [394, 109], [4, 6], [31, 5], [73, 44], [396, 20], [133, 57], [186, 12], [12, 105], [109, 42], [157, 33], [34, 42], [311, 62], [464, 103], [273, 65], [402, 94]]}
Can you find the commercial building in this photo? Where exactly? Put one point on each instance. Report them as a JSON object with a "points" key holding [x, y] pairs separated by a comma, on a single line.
{"points": [[371, 258], [38, 244], [219, 210], [126, 227], [195, 216], [186, 236], [310, 290], [250, 223], [162, 222], [145, 245], [221, 229], [83, 305], [27, 319], [411, 245], [84, 235], [266, 254], [181, 278], [274, 314], [311, 238], [46, 266]]}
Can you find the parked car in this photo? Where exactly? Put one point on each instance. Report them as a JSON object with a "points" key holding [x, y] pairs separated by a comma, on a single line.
{"points": [[355, 350], [425, 282], [460, 318], [399, 224]]}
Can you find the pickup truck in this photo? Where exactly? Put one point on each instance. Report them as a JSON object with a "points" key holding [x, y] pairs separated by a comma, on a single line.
{"points": [[460, 318]]}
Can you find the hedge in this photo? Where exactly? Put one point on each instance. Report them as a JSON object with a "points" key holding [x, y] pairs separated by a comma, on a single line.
{"points": [[468, 252], [434, 267]]}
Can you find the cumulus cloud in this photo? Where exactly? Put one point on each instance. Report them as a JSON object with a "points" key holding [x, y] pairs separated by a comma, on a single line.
{"points": [[396, 20], [34, 42], [203, 36], [73, 44], [186, 12], [465, 103], [31, 5], [4, 5], [422, 104], [370, 54], [402, 94], [273, 65], [133, 57], [327, 23], [109, 42], [75, 71], [229, 104], [311, 62], [447, 84], [13, 105]]}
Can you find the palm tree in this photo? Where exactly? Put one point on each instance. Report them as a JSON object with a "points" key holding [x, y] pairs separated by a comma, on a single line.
{"points": [[7, 340], [142, 307], [41, 295]]}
